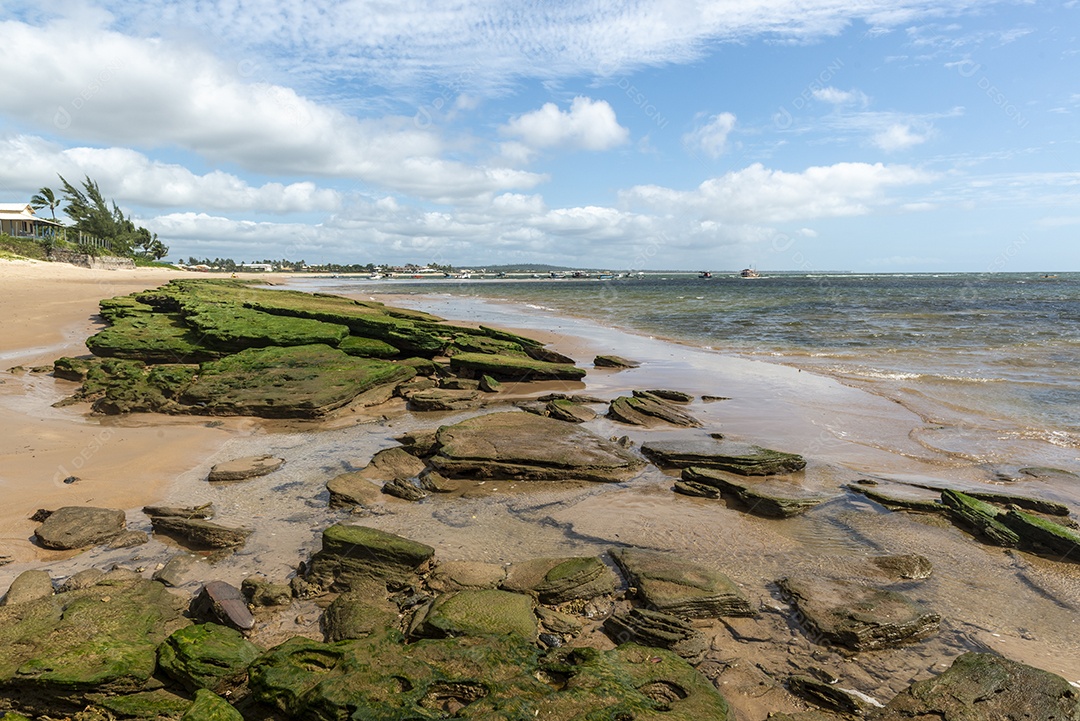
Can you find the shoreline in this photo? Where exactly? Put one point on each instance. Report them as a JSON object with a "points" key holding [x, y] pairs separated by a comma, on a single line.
{"points": [[846, 432]]}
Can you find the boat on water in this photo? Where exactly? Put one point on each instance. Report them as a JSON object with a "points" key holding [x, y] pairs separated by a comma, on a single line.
{"points": [[705, 274], [749, 273]]}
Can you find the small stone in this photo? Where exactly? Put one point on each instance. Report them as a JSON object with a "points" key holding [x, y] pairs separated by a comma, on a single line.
{"points": [[83, 579]]}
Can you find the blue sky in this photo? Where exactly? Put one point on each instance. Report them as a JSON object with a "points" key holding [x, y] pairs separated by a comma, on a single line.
{"points": [[911, 135]]}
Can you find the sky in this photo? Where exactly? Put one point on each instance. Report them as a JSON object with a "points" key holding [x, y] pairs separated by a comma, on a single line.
{"points": [[813, 135]]}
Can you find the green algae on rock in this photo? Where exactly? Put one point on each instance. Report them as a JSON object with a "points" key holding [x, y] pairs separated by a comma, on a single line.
{"points": [[515, 368], [356, 555], [209, 706], [479, 612], [207, 656], [501, 677], [102, 638]]}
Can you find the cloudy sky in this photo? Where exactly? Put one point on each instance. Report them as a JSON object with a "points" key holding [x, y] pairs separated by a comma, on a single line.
{"points": [[871, 135]]}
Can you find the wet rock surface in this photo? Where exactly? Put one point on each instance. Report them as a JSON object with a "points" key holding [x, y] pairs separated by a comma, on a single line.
{"points": [[200, 533], [558, 580], [207, 656], [240, 469], [672, 585], [357, 555], [761, 498], [73, 527], [745, 460]]}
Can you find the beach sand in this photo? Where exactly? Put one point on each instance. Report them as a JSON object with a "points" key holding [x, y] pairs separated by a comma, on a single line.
{"points": [[1017, 604]]}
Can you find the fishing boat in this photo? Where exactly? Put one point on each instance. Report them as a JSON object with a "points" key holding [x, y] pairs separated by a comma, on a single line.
{"points": [[705, 274], [749, 273]]}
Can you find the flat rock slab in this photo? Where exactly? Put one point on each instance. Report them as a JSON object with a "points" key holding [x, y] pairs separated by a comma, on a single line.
{"points": [[558, 580], [352, 489], [856, 616], [197, 532], [204, 511], [524, 446], [986, 686], [653, 628], [515, 368], [461, 575], [614, 361], [240, 469], [481, 612], [672, 585], [442, 399], [762, 498], [80, 526], [740, 458]]}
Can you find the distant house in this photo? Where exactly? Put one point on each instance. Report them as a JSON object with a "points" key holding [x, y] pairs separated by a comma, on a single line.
{"points": [[264, 267], [18, 219]]}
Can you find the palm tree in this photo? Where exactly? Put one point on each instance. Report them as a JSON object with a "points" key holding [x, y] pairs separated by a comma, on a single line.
{"points": [[46, 197]]}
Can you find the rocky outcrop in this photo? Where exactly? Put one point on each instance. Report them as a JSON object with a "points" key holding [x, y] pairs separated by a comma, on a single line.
{"points": [[523, 446], [856, 616], [461, 575], [489, 677], [745, 460], [358, 555], [614, 361], [79, 527], [648, 410], [567, 410], [762, 498], [352, 615], [444, 399], [207, 656], [662, 630], [1042, 534], [679, 587], [986, 686], [558, 580], [240, 469], [28, 586], [209, 706], [483, 612], [199, 533], [980, 516], [514, 368]]}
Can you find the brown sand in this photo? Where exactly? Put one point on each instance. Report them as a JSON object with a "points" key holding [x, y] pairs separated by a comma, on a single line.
{"points": [[47, 310]]}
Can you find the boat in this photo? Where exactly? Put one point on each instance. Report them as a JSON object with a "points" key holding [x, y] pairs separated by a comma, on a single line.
{"points": [[749, 273], [606, 276], [376, 276], [705, 274]]}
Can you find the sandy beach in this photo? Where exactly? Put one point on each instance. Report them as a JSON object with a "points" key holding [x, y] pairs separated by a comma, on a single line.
{"points": [[1019, 605]]}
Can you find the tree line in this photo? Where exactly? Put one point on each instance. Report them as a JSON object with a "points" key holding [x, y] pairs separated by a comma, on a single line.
{"points": [[90, 213]]}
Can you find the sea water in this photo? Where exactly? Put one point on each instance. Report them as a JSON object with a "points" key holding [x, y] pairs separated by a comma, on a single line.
{"points": [[988, 360]]}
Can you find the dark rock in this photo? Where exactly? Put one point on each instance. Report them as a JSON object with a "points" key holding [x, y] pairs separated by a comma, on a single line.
{"points": [[856, 616], [260, 591], [980, 516], [614, 361], [911, 566], [40, 515], [773, 500], [746, 460], [516, 368], [653, 628], [489, 384], [827, 695], [355, 555], [671, 396], [550, 640], [28, 586], [522, 446], [72, 369], [714, 399], [204, 511], [693, 488], [223, 602], [352, 615], [1046, 534], [986, 686], [558, 580], [209, 706], [434, 482], [439, 399], [207, 656], [405, 490], [240, 469], [644, 410], [481, 612], [537, 408], [681, 588], [80, 526], [200, 533], [547, 355]]}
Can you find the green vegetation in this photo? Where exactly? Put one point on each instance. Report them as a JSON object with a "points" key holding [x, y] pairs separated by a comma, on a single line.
{"points": [[91, 213], [17, 248]]}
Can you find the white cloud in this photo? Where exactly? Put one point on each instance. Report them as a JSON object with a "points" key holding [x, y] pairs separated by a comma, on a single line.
{"points": [[899, 136], [94, 84], [835, 96], [759, 195], [711, 138], [587, 125], [130, 177]]}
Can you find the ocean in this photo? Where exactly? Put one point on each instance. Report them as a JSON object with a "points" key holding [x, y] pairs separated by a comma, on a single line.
{"points": [[989, 361]]}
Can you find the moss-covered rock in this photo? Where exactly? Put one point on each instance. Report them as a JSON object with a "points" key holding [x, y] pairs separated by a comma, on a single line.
{"points": [[209, 706], [558, 580], [354, 615], [493, 677], [515, 368], [368, 348], [357, 555], [233, 328], [981, 516], [207, 656], [100, 638], [151, 338], [1043, 534], [151, 705], [295, 382], [72, 369], [480, 612]]}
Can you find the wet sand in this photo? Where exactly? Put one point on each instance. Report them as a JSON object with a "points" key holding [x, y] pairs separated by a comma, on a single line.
{"points": [[1018, 604]]}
